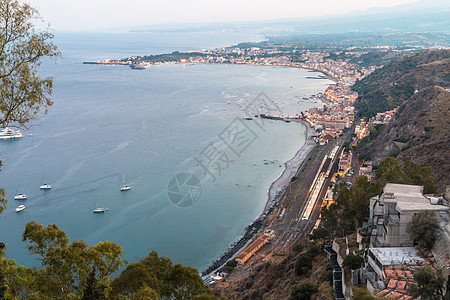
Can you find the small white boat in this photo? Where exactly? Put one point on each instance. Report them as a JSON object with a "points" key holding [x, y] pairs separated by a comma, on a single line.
{"points": [[20, 208], [99, 210], [45, 186], [19, 196], [123, 186]]}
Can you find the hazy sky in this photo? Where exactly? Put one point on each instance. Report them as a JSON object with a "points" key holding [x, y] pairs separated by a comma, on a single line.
{"points": [[98, 14]]}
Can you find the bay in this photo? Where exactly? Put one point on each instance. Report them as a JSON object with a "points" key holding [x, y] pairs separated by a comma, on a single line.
{"points": [[149, 126]]}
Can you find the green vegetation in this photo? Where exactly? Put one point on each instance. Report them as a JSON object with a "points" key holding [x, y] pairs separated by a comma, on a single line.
{"points": [[174, 56], [22, 92], [303, 291], [395, 83], [353, 261], [319, 233], [430, 283], [351, 206], [391, 171], [374, 132], [423, 227], [362, 294], [78, 271], [304, 261]]}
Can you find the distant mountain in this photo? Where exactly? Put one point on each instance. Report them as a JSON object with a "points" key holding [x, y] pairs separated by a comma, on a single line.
{"points": [[392, 85], [419, 17], [419, 132]]}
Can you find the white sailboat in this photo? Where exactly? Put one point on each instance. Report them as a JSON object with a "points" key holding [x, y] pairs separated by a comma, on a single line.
{"points": [[98, 210], [45, 186], [123, 186], [19, 196]]}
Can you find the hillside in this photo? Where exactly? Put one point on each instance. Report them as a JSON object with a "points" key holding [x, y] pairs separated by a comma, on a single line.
{"points": [[420, 132], [389, 87], [273, 278]]}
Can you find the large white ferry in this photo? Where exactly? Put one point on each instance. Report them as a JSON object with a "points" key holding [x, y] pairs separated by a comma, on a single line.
{"points": [[7, 133]]}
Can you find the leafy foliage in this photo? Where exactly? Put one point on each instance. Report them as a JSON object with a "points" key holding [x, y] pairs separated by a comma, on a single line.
{"points": [[353, 261], [158, 274], [303, 291], [78, 271], [69, 268], [360, 293], [391, 171], [430, 283], [351, 206], [423, 227], [22, 92], [304, 261]]}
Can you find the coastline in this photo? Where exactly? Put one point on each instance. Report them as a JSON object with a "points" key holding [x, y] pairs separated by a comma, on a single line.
{"points": [[291, 168], [275, 193]]}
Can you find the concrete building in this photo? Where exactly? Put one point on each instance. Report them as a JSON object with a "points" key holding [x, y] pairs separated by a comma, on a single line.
{"points": [[391, 269], [391, 212]]}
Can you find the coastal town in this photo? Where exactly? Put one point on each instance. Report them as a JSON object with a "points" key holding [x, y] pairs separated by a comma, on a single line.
{"points": [[329, 122]]}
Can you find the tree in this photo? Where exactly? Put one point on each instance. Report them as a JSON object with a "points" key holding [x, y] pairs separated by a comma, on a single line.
{"points": [[69, 269], [22, 47], [351, 206], [161, 276], [391, 171], [430, 283], [185, 283], [303, 291], [353, 261], [423, 227], [93, 289]]}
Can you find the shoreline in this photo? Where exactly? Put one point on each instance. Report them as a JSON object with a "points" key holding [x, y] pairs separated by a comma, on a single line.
{"points": [[275, 193], [291, 168]]}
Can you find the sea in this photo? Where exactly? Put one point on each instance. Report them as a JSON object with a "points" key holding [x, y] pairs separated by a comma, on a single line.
{"points": [[199, 172]]}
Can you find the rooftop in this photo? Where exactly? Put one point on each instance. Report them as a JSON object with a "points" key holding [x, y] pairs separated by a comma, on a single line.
{"points": [[408, 198], [398, 256]]}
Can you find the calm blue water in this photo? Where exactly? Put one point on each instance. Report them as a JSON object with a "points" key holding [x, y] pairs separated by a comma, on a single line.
{"points": [[150, 125]]}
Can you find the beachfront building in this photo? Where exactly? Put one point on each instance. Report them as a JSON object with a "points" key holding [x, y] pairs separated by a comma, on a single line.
{"points": [[393, 209], [251, 249]]}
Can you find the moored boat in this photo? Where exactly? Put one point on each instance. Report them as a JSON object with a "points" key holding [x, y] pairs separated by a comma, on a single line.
{"points": [[123, 186], [18, 195], [45, 186], [20, 208], [8, 133]]}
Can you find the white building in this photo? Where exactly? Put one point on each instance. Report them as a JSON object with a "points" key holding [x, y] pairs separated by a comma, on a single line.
{"points": [[391, 212]]}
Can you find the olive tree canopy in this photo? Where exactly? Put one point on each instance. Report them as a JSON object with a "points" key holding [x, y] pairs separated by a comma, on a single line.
{"points": [[22, 46]]}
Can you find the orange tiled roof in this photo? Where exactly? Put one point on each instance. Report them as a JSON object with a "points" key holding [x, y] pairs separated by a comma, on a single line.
{"points": [[395, 295], [401, 285], [392, 284]]}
